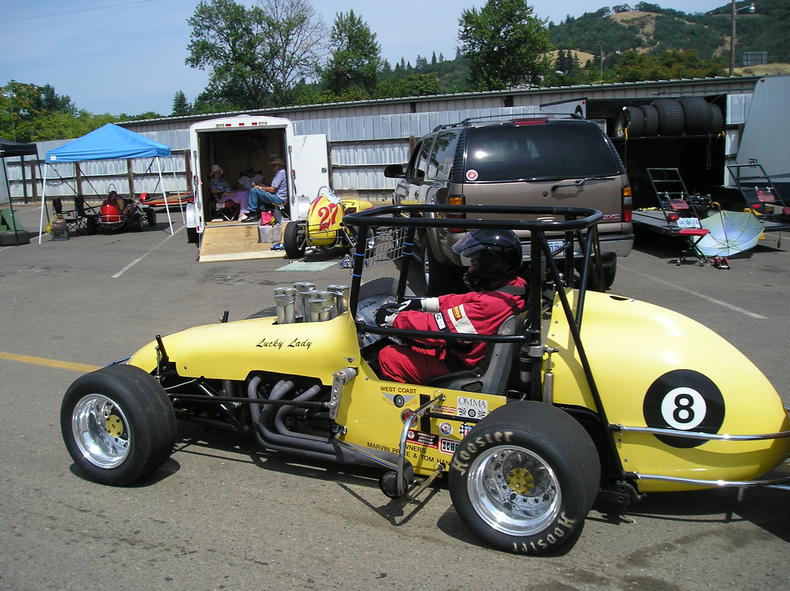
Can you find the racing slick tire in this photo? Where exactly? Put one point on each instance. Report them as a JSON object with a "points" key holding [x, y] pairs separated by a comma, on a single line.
{"points": [[670, 117], [650, 117], [118, 424], [294, 240], [150, 217], [524, 478]]}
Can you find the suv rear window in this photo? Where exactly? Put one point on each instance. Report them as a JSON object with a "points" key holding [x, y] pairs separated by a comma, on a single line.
{"points": [[547, 151]]}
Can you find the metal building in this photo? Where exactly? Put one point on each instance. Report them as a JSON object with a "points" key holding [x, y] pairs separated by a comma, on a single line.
{"points": [[364, 136]]}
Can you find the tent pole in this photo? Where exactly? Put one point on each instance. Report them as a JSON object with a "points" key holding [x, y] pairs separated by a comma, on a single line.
{"points": [[180, 201], [10, 198], [164, 194], [43, 205]]}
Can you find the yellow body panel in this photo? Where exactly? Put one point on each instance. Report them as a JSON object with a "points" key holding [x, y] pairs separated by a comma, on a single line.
{"points": [[630, 344], [230, 351], [370, 408]]}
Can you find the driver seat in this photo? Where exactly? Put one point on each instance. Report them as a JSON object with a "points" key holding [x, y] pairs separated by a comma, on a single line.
{"points": [[492, 376]]}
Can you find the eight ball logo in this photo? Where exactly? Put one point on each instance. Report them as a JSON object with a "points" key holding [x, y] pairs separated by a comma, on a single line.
{"points": [[684, 400]]}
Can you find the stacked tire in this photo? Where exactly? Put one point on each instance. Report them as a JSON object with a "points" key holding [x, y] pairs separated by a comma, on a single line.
{"points": [[688, 115]]}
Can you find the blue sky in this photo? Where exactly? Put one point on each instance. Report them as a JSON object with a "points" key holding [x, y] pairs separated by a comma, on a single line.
{"points": [[127, 56]]}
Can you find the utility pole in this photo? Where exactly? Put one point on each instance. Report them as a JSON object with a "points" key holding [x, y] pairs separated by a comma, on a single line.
{"points": [[733, 14]]}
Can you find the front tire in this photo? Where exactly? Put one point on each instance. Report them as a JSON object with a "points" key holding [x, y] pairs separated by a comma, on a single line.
{"points": [[150, 217], [118, 424], [525, 477], [294, 240]]}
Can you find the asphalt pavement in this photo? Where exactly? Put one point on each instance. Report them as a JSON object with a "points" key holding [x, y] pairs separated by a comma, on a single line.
{"points": [[222, 514]]}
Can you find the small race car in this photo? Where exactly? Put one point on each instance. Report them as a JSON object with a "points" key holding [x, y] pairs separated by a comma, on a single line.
{"points": [[117, 214], [584, 394], [324, 226]]}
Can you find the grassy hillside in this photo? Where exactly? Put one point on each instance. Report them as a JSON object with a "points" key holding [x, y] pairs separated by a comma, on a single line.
{"points": [[652, 29]]}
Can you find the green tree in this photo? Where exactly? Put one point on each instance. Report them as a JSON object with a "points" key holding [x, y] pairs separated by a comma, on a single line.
{"points": [[668, 65], [355, 57], [505, 43], [25, 109], [253, 55], [180, 105], [411, 85], [294, 37]]}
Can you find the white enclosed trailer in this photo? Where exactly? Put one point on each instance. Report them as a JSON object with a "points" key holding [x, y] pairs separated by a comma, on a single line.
{"points": [[238, 142]]}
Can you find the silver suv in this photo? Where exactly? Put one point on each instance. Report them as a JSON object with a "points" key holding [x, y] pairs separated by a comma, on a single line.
{"points": [[531, 160]]}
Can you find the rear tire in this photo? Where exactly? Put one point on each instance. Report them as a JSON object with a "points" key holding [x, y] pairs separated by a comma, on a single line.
{"points": [[294, 240], [118, 424], [150, 217], [525, 477]]}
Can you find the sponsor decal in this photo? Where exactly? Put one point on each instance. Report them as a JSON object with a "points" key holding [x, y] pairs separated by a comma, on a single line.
{"points": [[440, 321], [472, 408], [465, 428], [685, 400], [446, 428], [462, 459], [457, 314], [471, 174], [422, 438], [448, 410], [564, 525], [398, 395], [448, 446]]}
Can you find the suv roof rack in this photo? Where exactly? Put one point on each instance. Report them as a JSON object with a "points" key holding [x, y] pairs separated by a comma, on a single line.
{"points": [[509, 117]]}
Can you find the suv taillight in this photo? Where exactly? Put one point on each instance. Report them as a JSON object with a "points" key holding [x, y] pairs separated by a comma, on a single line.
{"points": [[628, 204], [456, 200]]}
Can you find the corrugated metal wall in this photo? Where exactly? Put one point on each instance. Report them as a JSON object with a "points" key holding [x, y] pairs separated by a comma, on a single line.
{"points": [[367, 135]]}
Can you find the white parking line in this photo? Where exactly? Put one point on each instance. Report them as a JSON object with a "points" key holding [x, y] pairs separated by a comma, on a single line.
{"points": [[727, 305], [140, 258]]}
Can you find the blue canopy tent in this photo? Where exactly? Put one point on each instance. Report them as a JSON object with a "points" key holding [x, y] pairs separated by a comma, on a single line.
{"points": [[105, 143]]}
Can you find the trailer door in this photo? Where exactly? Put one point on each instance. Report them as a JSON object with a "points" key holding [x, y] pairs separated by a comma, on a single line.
{"points": [[309, 166]]}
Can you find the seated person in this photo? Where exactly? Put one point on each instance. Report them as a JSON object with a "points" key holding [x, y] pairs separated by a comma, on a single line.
{"points": [[124, 206], [224, 193], [264, 197], [497, 292], [246, 179]]}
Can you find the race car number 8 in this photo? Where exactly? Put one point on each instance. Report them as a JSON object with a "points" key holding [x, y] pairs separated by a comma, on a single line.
{"points": [[683, 408], [684, 400]]}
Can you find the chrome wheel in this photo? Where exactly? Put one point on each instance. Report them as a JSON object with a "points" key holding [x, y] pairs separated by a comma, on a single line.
{"points": [[101, 431], [514, 490]]}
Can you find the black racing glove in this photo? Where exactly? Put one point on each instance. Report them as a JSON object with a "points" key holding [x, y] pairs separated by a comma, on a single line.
{"points": [[386, 314]]}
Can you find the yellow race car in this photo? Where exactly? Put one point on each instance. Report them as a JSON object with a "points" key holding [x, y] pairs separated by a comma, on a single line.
{"points": [[323, 227], [583, 394]]}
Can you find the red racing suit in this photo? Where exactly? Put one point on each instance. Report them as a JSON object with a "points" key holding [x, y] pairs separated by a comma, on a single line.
{"points": [[478, 312]]}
